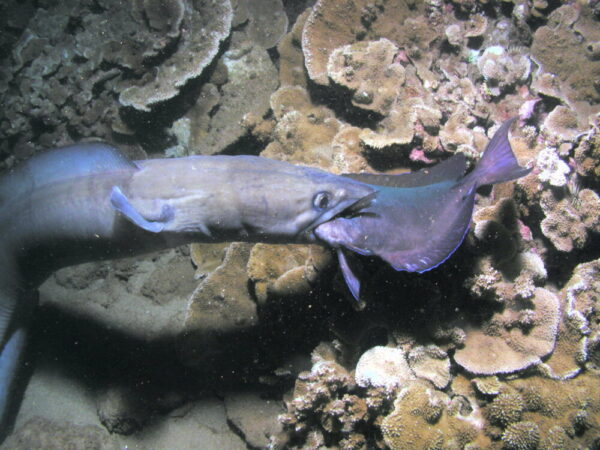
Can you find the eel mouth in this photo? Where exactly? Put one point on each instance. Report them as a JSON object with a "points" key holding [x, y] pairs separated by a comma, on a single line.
{"points": [[346, 208]]}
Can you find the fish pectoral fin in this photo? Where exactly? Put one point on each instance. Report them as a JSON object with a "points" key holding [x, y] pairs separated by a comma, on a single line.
{"points": [[352, 281], [122, 204]]}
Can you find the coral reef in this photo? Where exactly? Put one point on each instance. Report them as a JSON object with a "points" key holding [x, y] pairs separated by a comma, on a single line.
{"points": [[267, 21], [284, 271], [383, 367], [82, 73], [207, 257], [554, 411], [430, 363], [503, 69], [497, 348], [569, 221], [309, 134], [251, 78], [355, 66], [194, 50], [573, 33], [425, 418], [332, 25], [576, 344], [220, 304], [342, 409], [505, 409], [521, 436], [518, 337]]}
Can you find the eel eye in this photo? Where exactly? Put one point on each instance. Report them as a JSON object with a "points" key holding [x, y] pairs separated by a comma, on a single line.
{"points": [[321, 200]]}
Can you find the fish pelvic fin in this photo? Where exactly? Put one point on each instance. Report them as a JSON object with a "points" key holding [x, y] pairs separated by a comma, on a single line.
{"points": [[352, 281], [121, 203], [498, 163]]}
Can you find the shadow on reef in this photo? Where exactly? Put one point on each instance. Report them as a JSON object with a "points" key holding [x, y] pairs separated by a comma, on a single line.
{"points": [[101, 358]]}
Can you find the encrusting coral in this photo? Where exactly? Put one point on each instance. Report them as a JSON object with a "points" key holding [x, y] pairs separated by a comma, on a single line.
{"points": [[291, 270], [251, 79], [426, 418], [573, 33], [431, 363]]}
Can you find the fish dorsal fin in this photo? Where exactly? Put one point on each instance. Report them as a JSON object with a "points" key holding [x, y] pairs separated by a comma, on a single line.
{"points": [[75, 161], [450, 169], [60, 164]]}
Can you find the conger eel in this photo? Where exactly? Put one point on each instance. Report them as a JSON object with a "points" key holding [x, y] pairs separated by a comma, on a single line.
{"points": [[88, 202]]}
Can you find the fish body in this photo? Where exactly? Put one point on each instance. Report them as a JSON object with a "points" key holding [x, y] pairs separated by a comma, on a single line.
{"points": [[88, 202], [416, 221]]}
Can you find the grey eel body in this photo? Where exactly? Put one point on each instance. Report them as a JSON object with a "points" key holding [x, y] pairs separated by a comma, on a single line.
{"points": [[88, 202]]}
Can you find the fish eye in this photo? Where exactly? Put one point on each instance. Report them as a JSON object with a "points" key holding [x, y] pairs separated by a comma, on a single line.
{"points": [[321, 200]]}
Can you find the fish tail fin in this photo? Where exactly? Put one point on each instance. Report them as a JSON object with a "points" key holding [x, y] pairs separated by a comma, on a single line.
{"points": [[498, 163]]}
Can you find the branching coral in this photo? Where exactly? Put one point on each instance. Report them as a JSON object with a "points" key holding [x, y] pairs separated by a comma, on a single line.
{"points": [[327, 406], [503, 69], [569, 221], [554, 412]]}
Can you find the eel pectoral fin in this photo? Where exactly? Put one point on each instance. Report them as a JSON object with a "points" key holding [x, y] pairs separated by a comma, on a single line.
{"points": [[122, 204]]}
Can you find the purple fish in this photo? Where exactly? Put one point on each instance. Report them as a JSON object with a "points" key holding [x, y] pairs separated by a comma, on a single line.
{"points": [[416, 221]]}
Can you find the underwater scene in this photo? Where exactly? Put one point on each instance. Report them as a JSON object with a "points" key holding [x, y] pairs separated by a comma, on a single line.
{"points": [[300, 224]]}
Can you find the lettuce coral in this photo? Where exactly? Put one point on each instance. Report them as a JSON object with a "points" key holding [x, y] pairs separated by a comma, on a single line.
{"points": [[513, 339]]}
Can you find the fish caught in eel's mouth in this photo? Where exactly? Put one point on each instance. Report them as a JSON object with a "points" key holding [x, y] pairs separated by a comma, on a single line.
{"points": [[418, 220], [347, 208]]}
